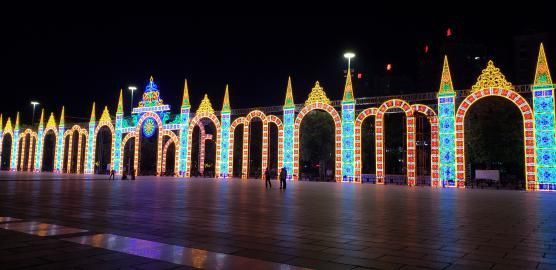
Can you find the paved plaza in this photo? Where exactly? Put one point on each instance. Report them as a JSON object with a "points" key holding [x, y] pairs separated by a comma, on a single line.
{"points": [[51, 221]]}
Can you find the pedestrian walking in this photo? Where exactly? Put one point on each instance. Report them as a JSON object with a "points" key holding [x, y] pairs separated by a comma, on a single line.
{"points": [[267, 183], [283, 175], [112, 175]]}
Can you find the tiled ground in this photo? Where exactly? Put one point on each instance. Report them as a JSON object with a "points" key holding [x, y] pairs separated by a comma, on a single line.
{"points": [[314, 225]]}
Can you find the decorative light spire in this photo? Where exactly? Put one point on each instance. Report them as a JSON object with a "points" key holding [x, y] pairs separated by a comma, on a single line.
{"points": [[93, 117], [542, 73], [226, 103], [317, 95], [120, 109], [491, 77], [446, 85], [17, 121], [41, 122], [62, 118], [348, 89], [105, 117], [8, 127], [51, 124], [185, 101], [205, 106], [289, 103]]}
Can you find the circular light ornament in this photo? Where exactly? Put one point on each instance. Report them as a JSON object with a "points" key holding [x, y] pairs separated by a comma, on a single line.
{"points": [[149, 128]]}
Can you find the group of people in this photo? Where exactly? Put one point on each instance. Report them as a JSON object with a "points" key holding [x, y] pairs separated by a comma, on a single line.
{"points": [[124, 175], [281, 177]]}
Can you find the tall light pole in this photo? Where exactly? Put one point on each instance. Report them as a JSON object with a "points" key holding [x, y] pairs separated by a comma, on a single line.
{"points": [[349, 55], [132, 89], [129, 171], [34, 103]]}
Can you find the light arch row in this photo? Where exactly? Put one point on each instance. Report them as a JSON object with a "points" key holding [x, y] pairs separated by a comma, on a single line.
{"points": [[246, 121], [71, 132], [528, 132]]}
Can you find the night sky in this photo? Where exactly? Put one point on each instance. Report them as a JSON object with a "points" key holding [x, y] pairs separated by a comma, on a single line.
{"points": [[76, 61]]}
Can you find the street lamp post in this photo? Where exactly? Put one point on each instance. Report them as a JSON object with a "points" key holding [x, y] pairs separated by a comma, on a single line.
{"points": [[129, 171], [132, 89], [349, 55], [34, 103]]}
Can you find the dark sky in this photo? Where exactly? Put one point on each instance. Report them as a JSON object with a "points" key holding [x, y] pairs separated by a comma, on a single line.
{"points": [[76, 61]]}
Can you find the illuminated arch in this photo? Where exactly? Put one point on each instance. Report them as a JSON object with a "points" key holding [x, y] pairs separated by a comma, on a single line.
{"points": [[82, 132], [27, 151], [192, 124], [128, 136], [358, 145], [173, 139], [44, 134], [235, 123], [433, 121], [338, 137], [164, 152], [112, 132], [70, 132], [410, 137], [160, 127], [528, 132], [264, 152], [7, 132], [276, 120]]}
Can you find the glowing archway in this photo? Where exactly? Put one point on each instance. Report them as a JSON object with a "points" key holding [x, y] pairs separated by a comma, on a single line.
{"points": [[126, 138], [173, 139], [410, 137], [276, 120], [528, 132], [71, 133], [81, 149], [8, 154], [159, 124], [245, 158], [358, 145], [50, 126], [27, 150], [433, 121], [105, 121], [337, 137], [192, 124]]}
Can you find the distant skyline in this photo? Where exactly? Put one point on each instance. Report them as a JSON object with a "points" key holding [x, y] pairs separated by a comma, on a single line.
{"points": [[75, 62]]}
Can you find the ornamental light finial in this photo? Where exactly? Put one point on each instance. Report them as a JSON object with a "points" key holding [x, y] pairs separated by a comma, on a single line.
{"points": [[317, 95], [491, 77]]}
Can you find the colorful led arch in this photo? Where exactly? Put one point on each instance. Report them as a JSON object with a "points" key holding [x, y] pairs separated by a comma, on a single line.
{"points": [[447, 131]]}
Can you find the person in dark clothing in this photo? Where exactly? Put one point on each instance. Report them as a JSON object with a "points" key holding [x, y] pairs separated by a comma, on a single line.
{"points": [[283, 174], [112, 175], [267, 179], [133, 174]]}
